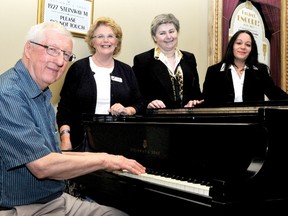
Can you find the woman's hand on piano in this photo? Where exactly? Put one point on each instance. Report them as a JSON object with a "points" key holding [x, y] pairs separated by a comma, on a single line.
{"points": [[156, 104], [118, 109], [193, 103]]}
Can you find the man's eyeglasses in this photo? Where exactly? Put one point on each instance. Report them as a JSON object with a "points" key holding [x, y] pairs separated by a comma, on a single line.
{"points": [[53, 51]]}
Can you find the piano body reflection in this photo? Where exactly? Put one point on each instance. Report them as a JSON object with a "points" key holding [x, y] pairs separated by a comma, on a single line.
{"points": [[221, 160]]}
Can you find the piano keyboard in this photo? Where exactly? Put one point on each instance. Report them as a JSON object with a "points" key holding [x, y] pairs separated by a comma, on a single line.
{"points": [[180, 185]]}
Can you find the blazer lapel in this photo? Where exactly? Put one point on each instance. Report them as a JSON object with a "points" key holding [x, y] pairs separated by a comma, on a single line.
{"points": [[161, 73]]}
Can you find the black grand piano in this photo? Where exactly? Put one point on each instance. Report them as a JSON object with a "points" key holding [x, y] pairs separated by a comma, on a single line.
{"points": [[207, 160]]}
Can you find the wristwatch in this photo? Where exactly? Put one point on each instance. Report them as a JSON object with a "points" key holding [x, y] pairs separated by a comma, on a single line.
{"points": [[64, 132]]}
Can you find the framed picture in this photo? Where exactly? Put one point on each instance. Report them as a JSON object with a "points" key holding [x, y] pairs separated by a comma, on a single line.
{"points": [[216, 8], [75, 15]]}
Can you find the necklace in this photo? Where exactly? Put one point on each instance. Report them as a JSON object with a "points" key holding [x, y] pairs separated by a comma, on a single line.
{"points": [[240, 72]]}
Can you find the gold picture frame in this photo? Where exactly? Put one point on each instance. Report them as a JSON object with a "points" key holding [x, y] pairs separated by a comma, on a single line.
{"points": [[75, 15], [215, 35]]}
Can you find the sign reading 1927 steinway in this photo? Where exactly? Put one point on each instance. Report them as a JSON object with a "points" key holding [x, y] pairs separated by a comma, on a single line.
{"points": [[75, 15]]}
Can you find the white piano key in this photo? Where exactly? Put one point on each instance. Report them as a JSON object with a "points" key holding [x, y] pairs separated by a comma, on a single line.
{"points": [[180, 185]]}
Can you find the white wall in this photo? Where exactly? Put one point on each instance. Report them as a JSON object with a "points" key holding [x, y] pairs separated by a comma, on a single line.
{"points": [[134, 16]]}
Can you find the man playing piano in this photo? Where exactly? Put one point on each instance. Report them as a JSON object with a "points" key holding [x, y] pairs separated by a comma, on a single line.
{"points": [[32, 166]]}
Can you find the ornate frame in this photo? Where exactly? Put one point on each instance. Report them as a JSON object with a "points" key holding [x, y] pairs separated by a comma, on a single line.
{"points": [[215, 35]]}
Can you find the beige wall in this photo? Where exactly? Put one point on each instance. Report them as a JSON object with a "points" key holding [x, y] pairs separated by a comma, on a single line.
{"points": [[134, 16]]}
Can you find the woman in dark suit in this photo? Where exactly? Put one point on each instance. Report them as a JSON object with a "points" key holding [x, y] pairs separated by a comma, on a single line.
{"points": [[167, 76], [239, 77]]}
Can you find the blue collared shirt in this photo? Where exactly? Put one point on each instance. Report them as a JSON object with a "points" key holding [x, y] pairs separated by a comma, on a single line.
{"points": [[27, 133]]}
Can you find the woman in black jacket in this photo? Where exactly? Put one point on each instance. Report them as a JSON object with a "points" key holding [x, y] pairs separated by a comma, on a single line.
{"points": [[97, 84], [167, 76], [239, 77]]}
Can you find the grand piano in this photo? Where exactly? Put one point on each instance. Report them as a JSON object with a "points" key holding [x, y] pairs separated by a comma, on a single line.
{"points": [[205, 160]]}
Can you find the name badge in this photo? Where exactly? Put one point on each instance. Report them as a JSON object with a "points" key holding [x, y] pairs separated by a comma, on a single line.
{"points": [[116, 79]]}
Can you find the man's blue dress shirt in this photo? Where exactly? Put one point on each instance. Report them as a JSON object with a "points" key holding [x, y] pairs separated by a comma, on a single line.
{"points": [[27, 133]]}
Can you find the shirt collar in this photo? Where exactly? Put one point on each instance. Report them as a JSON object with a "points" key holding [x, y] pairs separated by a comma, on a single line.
{"points": [[246, 67], [29, 85], [158, 53]]}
